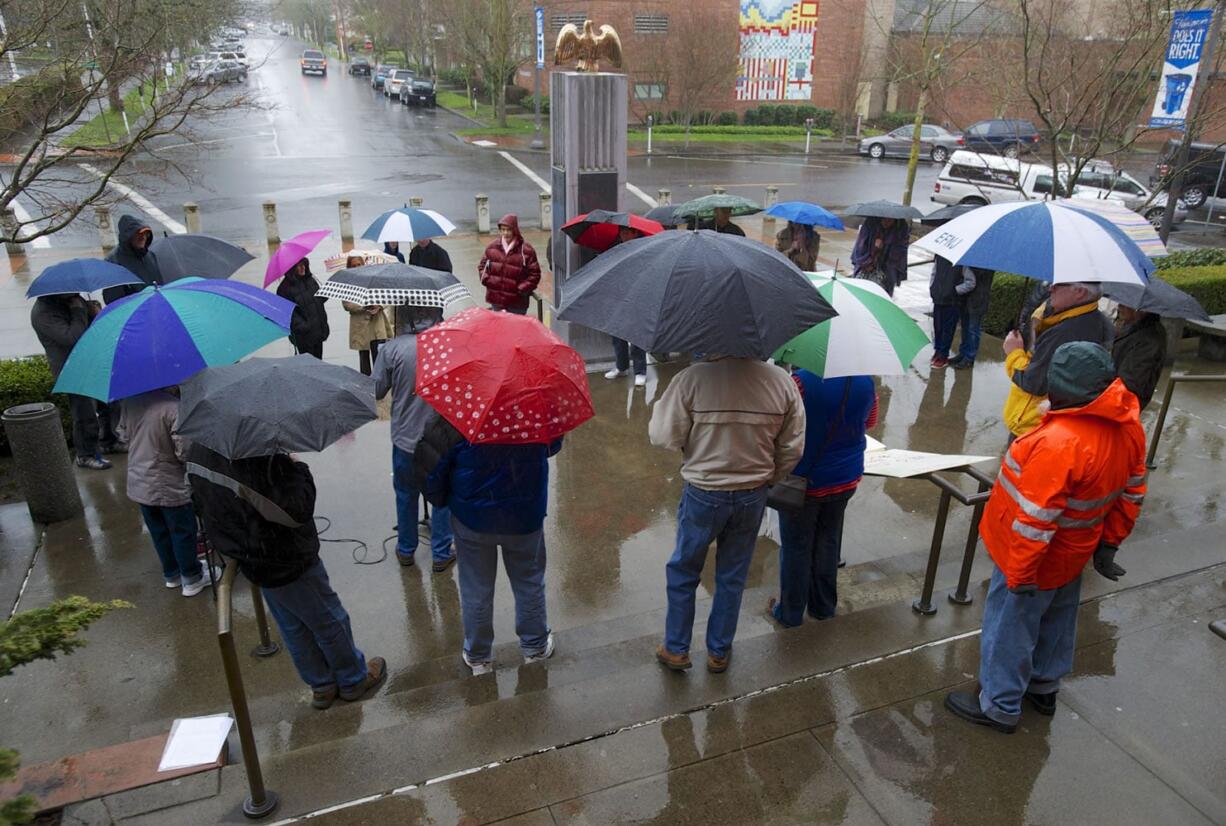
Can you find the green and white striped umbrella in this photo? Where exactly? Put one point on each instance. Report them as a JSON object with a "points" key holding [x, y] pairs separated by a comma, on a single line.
{"points": [[870, 336]]}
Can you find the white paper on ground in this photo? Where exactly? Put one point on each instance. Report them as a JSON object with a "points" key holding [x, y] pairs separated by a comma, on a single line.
{"points": [[880, 460], [194, 741]]}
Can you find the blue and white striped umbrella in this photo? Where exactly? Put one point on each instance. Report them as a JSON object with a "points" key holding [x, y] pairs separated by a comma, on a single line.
{"points": [[407, 225], [1052, 241]]}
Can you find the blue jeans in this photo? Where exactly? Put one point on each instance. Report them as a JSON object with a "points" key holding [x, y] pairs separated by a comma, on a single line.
{"points": [[316, 630], [625, 353], [731, 518], [1027, 645], [810, 540], [174, 538], [524, 558], [944, 323], [406, 512], [971, 324]]}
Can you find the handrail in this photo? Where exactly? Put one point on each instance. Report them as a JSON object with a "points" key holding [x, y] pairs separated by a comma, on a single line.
{"points": [[260, 802], [1171, 381], [977, 500]]}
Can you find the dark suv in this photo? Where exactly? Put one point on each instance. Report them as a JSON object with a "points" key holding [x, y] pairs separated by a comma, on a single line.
{"points": [[1200, 177], [359, 66], [418, 92], [1001, 137]]}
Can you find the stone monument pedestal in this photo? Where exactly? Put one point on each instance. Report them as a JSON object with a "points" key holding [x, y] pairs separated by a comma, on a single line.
{"points": [[587, 117]]}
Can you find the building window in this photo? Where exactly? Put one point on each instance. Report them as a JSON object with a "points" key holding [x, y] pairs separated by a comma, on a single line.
{"points": [[651, 24], [560, 20], [649, 91]]}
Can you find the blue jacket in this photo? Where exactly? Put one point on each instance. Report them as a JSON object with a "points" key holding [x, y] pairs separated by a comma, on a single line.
{"points": [[499, 489], [834, 445]]}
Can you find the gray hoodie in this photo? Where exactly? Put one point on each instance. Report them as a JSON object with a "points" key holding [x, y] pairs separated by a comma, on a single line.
{"points": [[396, 371]]}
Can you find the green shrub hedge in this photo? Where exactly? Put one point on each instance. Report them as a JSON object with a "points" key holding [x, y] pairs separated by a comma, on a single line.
{"points": [[23, 381], [1205, 257], [726, 119], [27, 100], [1206, 284], [889, 121], [676, 129], [785, 115], [1008, 292]]}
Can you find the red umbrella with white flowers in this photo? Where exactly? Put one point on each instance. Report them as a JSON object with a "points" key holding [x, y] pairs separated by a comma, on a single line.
{"points": [[502, 378]]}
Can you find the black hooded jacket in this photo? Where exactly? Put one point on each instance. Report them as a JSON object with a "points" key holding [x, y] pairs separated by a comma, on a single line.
{"points": [[58, 322], [431, 256], [308, 327], [1139, 351], [141, 263]]}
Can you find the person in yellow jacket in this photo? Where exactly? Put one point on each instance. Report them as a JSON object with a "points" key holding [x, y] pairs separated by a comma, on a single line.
{"points": [[1070, 314]]}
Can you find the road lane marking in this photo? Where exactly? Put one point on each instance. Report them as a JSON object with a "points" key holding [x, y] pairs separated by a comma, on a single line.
{"points": [[140, 200], [522, 167], [272, 121], [216, 140], [641, 195], [24, 217]]}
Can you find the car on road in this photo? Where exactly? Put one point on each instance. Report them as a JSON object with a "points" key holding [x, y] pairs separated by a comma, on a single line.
{"points": [[936, 143], [314, 60], [237, 56], [359, 66], [1101, 180], [1200, 175], [1001, 137], [420, 92], [975, 178], [380, 74], [222, 71], [394, 80]]}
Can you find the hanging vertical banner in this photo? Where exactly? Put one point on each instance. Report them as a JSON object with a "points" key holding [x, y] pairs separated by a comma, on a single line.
{"points": [[1189, 33], [540, 38]]}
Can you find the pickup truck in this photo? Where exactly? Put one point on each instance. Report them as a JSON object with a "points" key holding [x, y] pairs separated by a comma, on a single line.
{"points": [[314, 60]]}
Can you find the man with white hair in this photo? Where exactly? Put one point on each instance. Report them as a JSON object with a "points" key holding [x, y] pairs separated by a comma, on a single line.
{"points": [[1070, 314]]}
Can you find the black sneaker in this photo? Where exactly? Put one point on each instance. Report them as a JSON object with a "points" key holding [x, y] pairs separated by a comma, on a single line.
{"points": [[964, 704], [962, 364], [1045, 704]]}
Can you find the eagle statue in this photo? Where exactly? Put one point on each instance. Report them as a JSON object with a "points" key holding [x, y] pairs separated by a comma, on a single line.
{"points": [[587, 46]]}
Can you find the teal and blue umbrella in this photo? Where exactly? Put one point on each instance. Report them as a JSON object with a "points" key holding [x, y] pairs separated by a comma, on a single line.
{"points": [[80, 275], [406, 225], [164, 334], [801, 212]]}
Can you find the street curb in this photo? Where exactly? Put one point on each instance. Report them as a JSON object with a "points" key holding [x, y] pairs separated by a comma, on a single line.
{"points": [[460, 114]]}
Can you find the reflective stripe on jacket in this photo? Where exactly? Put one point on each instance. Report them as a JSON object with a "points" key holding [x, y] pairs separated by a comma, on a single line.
{"points": [[1076, 480]]}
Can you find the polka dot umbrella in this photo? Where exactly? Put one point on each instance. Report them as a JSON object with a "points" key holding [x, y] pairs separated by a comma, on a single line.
{"points": [[502, 378]]}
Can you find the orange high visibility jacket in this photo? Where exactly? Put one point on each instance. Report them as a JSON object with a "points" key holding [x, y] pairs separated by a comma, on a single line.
{"points": [[1076, 480]]}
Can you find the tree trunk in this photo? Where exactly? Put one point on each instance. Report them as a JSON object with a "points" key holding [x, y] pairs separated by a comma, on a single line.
{"points": [[913, 159], [113, 97], [500, 104]]}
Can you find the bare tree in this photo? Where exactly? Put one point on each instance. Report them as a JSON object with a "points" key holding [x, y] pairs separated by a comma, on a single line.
{"points": [[40, 111], [494, 37]]}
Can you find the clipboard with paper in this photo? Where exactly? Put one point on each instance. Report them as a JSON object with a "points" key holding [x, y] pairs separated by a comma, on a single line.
{"points": [[880, 460]]}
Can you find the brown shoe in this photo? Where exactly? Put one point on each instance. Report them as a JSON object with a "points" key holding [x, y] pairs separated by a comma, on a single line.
{"points": [[718, 665], [674, 662], [376, 673], [324, 698], [441, 565]]}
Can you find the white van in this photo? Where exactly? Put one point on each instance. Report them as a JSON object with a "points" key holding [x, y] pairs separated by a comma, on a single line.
{"points": [[973, 178]]}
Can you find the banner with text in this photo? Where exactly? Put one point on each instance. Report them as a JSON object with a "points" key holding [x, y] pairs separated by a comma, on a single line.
{"points": [[1189, 33]]}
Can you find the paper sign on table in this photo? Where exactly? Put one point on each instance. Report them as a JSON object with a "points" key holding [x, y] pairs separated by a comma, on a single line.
{"points": [[880, 460], [194, 741]]}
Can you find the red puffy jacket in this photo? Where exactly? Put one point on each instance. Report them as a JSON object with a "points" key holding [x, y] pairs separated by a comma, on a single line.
{"points": [[510, 276]]}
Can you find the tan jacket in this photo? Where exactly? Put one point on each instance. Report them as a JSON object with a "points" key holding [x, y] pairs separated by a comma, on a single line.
{"points": [[363, 328], [739, 423]]}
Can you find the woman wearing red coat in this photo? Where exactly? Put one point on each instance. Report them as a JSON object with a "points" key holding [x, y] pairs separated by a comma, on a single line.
{"points": [[509, 269]]}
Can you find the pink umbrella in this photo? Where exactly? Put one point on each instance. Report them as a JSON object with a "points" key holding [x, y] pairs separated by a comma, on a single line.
{"points": [[291, 252]]}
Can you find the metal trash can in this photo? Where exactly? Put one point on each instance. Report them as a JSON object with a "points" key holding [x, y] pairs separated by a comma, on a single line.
{"points": [[44, 468]]}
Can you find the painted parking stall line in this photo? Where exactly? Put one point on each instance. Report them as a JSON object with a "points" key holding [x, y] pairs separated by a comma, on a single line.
{"points": [[24, 217], [140, 200], [540, 182]]}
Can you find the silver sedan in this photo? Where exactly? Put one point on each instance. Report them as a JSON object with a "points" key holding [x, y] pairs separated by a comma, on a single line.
{"points": [[936, 143]]}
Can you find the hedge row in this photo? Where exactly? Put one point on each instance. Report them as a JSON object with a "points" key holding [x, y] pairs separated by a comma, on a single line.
{"points": [[27, 100], [1204, 257], [23, 381], [788, 115], [674, 129]]}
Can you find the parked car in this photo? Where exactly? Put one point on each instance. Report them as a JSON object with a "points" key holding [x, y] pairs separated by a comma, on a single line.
{"points": [[1100, 179], [197, 62], [975, 178], [237, 57], [223, 71], [394, 80], [935, 142], [380, 74], [314, 60], [1200, 176], [359, 66], [1001, 137], [420, 92]]}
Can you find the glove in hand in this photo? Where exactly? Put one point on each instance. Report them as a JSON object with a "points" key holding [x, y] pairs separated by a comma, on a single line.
{"points": [[1104, 562]]}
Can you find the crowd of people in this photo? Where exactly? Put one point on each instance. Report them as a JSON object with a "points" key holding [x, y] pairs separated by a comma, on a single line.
{"points": [[1069, 491]]}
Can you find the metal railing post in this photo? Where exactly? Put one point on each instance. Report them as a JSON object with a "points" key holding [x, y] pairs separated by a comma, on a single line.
{"points": [[261, 802], [1171, 381], [267, 646], [959, 596], [923, 605]]}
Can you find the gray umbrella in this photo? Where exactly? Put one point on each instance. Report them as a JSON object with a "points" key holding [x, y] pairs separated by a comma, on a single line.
{"points": [[264, 406], [666, 215], [392, 284], [948, 213], [695, 292], [885, 209], [1157, 297], [194, 253]]}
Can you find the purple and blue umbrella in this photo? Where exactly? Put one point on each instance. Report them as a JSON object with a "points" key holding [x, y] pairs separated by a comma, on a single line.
{"points": [[80, 275], [165, 334], [291, 252]]}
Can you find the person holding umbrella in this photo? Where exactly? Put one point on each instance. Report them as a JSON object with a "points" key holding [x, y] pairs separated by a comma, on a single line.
{"points": [[426, 253], [132, 252], [722, 222], [392, 248], [626, 354], [368, 326], [880, 252], [1139, 351], [309, 324], [509, 269], [800, 243]]}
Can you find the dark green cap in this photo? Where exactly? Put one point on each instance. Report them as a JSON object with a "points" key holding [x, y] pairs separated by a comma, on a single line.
{"points": [[1079, 373]]}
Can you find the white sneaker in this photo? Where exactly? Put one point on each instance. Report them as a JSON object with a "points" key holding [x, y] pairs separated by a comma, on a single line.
{"points": [[193, 588], [615, 373], [174, 583], [640, 380], [544, 655], [478, 667]]}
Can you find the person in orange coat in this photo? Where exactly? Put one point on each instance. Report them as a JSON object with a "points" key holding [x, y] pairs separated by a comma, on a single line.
{"points": [[1068, 491]]}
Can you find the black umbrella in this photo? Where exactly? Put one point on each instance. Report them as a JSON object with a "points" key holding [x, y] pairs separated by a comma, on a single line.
{"points": [[665, 215], [697, 291], [261, 406], [386, 285], [194, 253], [1156, 297], [885, 209], [947, 214]]}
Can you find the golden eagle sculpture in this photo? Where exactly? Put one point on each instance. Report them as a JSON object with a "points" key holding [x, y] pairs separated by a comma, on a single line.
{"points": [[587, 46]]}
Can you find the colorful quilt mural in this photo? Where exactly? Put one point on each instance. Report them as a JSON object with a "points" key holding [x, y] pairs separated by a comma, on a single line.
{"points": [[776, 50]]}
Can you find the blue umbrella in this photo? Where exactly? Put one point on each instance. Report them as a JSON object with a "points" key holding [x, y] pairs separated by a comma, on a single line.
{"points": [[406, 225], [80, 275], [800, 212], [165, 334]]}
